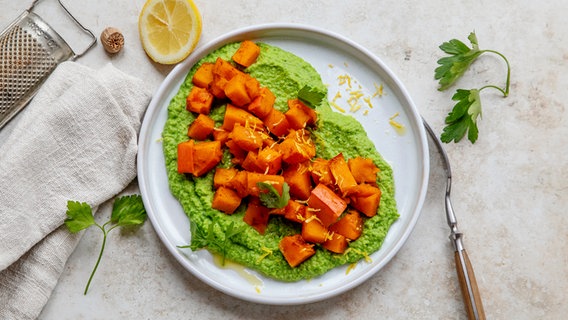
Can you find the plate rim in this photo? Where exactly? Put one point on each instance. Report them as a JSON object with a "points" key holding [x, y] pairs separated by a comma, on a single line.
{"points": [[182, 68]]}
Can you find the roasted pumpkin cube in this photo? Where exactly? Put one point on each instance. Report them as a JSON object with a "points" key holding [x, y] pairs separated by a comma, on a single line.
{"points": [[220, 135], [234, 115], [251, 162], [295, 249], [239, 183], [336, 243], [203, 76], [363, 170], [257, 215], [313, 230], [299, 115], [366, 199], [247, 53], [320, 173], [226, 200], [185, 157], [223, 177], [277, 123], [350, 225], [239, 154], [269, 161], [341, 174], [262, 104], [236, 90], [298, 147], [246, 138], [201, 127], [329, 206], [199, 100], [206, 155], [225, 69], [252, 86], [298, 178], [295, 211]]}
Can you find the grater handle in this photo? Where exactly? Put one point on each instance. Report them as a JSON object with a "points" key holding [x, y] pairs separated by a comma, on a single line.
{"points": [[89, 32]]}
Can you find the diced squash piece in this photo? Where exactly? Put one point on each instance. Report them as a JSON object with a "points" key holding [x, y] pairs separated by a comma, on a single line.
{"points": [[298, 178], [251, 162], [367, 203], [295, 211], [225, 69], [199, 100], [320, 172], [236, 90], [206, 155], [246, 137], [263, 103], [220, 135], [336, 243], [239, 154], [277, 123], [253, 87], [226, 200], [349, 226], [276, 181], [239, 183], [341, 174], [313, 230], [363, 170], [234, 115], [185, 157], [298, 147], [223, 177], [217, 86], [201, 127], [247, 53], [203, 76], [299, 115], [364, 190], [269, 160], [295, 249], [257, 215], [329, 206]]}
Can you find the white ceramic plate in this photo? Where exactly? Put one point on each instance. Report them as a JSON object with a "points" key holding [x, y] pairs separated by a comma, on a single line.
{"points": [[332, 55]]}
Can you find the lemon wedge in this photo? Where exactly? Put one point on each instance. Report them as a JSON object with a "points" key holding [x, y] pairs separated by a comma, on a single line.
{"points": [[169, 29]]}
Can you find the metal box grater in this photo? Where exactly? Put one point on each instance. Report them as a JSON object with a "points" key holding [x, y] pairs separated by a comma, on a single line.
{"points": [[29, 51]]}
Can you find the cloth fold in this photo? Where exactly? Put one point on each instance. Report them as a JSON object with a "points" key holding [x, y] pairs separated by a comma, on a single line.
{"points": [[76, 140]]}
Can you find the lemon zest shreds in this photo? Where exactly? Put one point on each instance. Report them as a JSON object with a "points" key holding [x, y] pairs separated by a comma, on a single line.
{"points": [[350, 267], [266, 253], [378, 90], [336, 106]]}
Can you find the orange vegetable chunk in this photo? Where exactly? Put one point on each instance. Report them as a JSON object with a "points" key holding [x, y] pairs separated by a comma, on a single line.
{"points": [[295, 249], [247, 53], [201, 127], [246, 137], [363, 170], [299, 115], [320, 172], [220, 135], [185, 157], [225, 69], [269, 160], [234, 115], [313, 230], [336, 243], [277, 123], [341, 174], [206, 155], [252, 86], [223, 177], [240, 183], [295, 211], [298, 147], [199, 100], [366, 199], [203, 76], [251, 162], [276, 181], [257, 215], [329, 206], [262, 104], [226, 200], [349, 226], [236, 90], [239, 154], [298, 178]]}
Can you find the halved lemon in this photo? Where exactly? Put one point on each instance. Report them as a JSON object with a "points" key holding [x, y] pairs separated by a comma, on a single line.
{"points": [[169, 29]]}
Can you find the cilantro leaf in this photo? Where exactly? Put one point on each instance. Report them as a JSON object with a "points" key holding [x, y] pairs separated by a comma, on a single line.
{"points": [[128, 211], [456, 64], [79, 216], [202, 239], [463, 117], [270, 197], [311, 96]]}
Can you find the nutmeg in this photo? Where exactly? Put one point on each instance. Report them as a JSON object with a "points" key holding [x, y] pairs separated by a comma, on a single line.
{"points": [[112, 40]]}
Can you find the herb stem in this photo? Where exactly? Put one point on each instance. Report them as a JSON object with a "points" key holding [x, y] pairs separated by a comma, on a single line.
{"points": [[508, 81], [494, 87], [99, 258]]}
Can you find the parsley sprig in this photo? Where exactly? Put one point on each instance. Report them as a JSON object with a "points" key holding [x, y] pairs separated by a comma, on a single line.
{"points": [[463, 117], [270, 197], [201, 238], [127, 211]]}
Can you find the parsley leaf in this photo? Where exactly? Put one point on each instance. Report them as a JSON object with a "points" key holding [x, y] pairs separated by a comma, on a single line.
{"points": [[207, 239], [454, 66], [79, 216], [270, 197], [463, 117], [310, 95], [126, 211]]}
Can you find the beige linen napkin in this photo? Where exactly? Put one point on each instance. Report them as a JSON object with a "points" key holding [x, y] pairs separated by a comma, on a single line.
{"points": [[76, 140]]}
